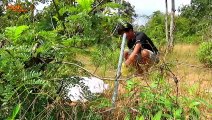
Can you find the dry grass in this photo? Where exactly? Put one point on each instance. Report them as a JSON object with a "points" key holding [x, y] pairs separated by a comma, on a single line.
{"points": [[188, 69], [195, 81]]}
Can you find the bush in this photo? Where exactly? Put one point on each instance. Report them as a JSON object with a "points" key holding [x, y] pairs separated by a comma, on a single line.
{"points": [[205, 53]]}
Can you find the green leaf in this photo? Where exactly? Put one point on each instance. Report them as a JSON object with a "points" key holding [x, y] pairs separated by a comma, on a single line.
{"points": [[85, 4], [15, 32], [15, 112], [157, 116], [130, 85], [196, 111], [177, 113], [167, 116], [154, 85], [127, 117], [69, 9], [111, 5], [140, 118], [194, 104]]}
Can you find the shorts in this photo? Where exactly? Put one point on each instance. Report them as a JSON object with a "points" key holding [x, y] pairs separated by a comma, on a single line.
{"points": [[153, 57]]}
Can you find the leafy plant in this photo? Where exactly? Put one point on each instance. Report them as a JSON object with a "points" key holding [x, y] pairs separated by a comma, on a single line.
{"points": [[155, 28], [14, 33], [26, 71], [85, 4], [205, 53]]}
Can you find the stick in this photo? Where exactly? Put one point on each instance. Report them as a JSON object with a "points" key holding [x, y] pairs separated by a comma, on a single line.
{"points": [[118, 73]]}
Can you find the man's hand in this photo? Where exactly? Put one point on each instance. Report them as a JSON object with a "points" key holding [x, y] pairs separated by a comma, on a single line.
{"points": [[131, 59], [127, 70], [124, 69]]}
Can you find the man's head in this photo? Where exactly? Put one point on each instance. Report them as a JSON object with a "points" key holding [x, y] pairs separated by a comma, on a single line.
{"points": [[126, 28]]}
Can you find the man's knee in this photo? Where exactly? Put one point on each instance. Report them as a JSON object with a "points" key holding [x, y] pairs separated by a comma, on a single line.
{"points": [[149, 57], [145, 53]]}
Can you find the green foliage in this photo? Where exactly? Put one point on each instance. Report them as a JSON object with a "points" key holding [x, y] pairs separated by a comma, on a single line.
{"points": [[140, 118], [26, 69], [4, 23], [191, 26], [183, 27], [192, 106], [157, 116], [13, 33], [153, 102], [197, 20], [205, 53], [111, 5], [178, 113], [30, 57], [155, 28], [197, 9], [30, 69], [101, 54], [130, 85], [15, 112], [157, 102], [85, 4], [100, 103]]}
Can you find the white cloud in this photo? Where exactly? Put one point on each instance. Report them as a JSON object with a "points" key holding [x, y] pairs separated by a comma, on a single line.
{"points": [[147, 7]]}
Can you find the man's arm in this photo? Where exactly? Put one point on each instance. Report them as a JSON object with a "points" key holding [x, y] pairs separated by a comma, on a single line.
{"points": [[132, 56]]}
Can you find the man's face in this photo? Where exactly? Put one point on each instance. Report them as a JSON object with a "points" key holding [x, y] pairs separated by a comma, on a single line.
{"points": [[130, 35]]}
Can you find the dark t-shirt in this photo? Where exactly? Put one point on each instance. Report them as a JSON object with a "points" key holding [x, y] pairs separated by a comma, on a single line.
{"points": [[145, 41]]}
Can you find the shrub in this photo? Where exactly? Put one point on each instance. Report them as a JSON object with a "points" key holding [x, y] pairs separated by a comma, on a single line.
{"points": [[205, 53]]}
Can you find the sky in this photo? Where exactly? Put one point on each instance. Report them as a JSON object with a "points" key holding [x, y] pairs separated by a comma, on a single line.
{"points": [[143, 7], [147, 7]]}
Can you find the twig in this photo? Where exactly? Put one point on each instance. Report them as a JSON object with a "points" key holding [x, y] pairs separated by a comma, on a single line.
{"points": [[65, 111], [107, 110], [134, 110], [175, 80], [33, 102], [96, 69], [68, 63], [96, 6], [105, 78], [183, 63], [52, 21], [133, 94], [57, 11]]}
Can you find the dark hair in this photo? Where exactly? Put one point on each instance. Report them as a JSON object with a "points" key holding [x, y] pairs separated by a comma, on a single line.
{"points": [[124, 27]]}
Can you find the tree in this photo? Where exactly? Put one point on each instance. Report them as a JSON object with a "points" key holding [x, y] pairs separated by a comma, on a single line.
{"points": [[166, 22], [155, 28], [199, 13], [171, 42]]}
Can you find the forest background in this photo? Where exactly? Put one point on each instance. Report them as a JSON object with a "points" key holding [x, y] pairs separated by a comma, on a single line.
{"points": [[77, 38]]}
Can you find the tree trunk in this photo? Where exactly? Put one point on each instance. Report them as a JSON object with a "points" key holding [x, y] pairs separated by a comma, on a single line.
{"points": [[171, 42], [166, 23], [57, 11], [32, 6]]}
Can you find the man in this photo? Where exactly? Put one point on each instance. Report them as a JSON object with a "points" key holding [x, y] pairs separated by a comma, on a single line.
{"points": [[141, 48]]}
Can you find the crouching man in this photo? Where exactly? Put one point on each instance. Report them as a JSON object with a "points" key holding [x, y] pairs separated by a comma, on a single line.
{"points": [[141, 51]]}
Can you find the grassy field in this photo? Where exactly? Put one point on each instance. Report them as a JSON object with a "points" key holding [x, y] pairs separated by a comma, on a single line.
{"points": [[191, 73], [195, 82]]}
